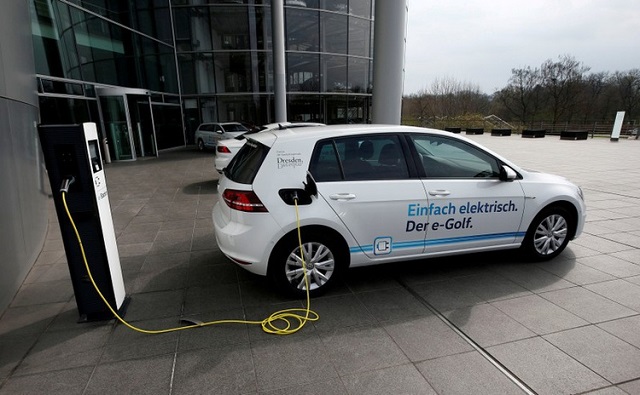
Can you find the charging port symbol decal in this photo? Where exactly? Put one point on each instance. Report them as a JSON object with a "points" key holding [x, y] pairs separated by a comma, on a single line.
{"points": [[382, 246]]}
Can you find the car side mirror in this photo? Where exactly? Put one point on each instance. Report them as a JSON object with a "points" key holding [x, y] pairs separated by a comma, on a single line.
{"points": [[507, 173]]}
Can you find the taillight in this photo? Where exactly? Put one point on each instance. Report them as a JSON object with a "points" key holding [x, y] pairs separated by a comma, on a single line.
{"points": [[243, 201], [222, 149]]}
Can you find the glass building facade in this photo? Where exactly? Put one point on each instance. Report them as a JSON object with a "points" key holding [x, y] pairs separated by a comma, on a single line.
{"points": [[149, 71]]}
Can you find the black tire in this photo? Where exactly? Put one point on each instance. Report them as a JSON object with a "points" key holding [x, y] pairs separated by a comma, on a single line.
{"points": [[548, 234], [201, 146], [325, 260]]}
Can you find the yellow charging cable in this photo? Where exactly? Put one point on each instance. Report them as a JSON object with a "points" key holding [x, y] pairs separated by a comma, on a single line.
{"points": [[287, 318]]}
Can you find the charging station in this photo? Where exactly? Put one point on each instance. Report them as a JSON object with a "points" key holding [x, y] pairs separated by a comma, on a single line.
{"points": [[74, 164]]}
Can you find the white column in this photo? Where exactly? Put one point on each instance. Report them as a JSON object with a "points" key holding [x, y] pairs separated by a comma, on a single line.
{"points": [[279, 69], [388, 60]]}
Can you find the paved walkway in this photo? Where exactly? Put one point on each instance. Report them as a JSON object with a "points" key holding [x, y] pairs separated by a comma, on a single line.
{"points": [[476, 324]]}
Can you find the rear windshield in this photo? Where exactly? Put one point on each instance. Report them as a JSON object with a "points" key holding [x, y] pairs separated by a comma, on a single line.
{"points": [[244, 166], [234, 128]]}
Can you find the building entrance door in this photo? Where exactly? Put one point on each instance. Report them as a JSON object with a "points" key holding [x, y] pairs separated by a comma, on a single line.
{"points": [[128, 123]]}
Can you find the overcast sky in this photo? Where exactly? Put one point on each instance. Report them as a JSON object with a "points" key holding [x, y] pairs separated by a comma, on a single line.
{"points": [[480, 41]]}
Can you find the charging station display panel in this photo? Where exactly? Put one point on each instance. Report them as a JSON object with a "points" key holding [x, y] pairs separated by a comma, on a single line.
{"points": [[74, 164]]}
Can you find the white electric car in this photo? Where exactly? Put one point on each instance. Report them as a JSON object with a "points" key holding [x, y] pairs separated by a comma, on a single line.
{"points": [[369, 194], [227, 149]]}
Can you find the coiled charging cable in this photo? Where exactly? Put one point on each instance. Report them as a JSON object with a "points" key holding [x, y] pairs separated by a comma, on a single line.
{"points": [[290, 320]]}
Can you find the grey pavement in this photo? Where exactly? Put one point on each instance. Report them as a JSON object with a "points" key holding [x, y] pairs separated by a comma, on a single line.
{"points": [[476, 324]]}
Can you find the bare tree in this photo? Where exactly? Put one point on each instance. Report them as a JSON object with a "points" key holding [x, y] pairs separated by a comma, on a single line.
{"points": [[627, 87], [562, 82], [522, 96]]}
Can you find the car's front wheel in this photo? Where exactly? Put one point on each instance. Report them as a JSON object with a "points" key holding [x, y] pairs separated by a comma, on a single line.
{"points": [[201, 146], [323, 261], [548, 234]]}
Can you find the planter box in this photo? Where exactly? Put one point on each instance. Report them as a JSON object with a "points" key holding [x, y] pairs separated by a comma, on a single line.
{"points": [[534, 133], [501, 132], [475, 131], [574, 135], [453, 130]]}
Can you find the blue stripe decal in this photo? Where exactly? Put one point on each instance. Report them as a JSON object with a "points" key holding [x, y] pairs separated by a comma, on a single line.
{"points": [[368, 248]]}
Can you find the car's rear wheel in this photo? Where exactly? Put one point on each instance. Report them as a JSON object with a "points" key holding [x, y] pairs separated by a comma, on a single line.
{"points": [[323, 260], [548, 234], [201, 146]]}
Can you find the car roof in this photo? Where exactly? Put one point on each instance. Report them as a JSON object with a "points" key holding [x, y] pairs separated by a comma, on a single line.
{"points": [[319, 132]]}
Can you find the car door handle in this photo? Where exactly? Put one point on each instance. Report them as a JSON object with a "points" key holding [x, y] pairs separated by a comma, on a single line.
{"points": [[342, 196], [439, 192]]}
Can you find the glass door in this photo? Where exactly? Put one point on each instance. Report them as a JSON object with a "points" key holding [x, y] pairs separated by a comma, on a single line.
{"points": [[117, 127]]}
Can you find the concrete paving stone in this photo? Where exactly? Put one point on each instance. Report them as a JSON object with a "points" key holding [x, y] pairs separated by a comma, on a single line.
{"points": [[166, 280], [203, 239], [545, 368], [28, 319], [217, 335], [162, 262], [632, 387], [621, 291], [209, 275], [332, 386], [138, 237], [598, 228], [361, 349], [538, 314], [13, 349], [134, 250], [611, 390], [144, 306], [65, 349], [574, 250], [422, 338], [285, 361], [574, 271], [219, 297], [392, 304], [601, 245], [625, 329], [403, 379], [611, 265], [635, 280], [258, 291], [487, 325], [341, 311], [219, 370], [532, 277], [43, 293], [123, 336], [61, 382], [605, 354], [372, 278], [467, 373], [139, 376], [587, 305], [490, 287], [49, 257], [632, 256], [630, 239], [49, 272], [447, 295]]}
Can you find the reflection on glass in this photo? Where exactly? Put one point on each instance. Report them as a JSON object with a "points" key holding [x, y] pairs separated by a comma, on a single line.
{"points": [[334, 32], [334, 70], [302, 29], [303, 72], [359, 37], [358, 75]]}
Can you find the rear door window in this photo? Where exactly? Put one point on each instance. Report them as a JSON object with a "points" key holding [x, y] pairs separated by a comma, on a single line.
{"points": [[377, 157]]}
